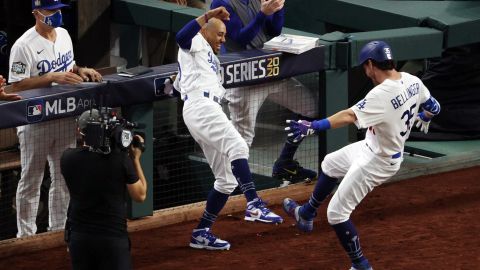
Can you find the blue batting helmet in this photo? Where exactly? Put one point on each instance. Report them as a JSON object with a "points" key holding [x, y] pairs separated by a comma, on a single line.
{"points": [[376, 50]]}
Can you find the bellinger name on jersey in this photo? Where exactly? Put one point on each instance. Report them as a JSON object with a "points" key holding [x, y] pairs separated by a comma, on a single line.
{"points": [[411, 91]]}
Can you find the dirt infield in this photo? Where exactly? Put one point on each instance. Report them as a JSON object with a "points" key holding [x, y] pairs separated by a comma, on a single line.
{"points": [[427, 223]]}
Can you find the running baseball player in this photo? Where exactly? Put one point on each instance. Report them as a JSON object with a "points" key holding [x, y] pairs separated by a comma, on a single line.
{"points": [[225, 150], [388, 111], [43, 56]]}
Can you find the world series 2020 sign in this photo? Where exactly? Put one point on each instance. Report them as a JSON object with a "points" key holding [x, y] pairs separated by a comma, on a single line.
{"points": [[253, 70], [253, 67]]}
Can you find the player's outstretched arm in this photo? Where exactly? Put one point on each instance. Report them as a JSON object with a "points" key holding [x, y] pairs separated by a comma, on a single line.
{"points": [[187, 33], [302, 128]]}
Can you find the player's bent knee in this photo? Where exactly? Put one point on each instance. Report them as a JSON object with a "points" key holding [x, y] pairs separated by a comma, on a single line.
{"points": [[240, 151], [328, 167], [336, 216], [225, 188]]}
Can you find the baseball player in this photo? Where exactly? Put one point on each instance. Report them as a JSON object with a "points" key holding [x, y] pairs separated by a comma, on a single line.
{"points": [[252, 23], [3, 94], [43, 56], [389, 111], [225, 150]]}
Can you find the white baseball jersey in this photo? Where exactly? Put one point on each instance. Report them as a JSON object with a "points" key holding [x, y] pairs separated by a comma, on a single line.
{"points": [[199, 69], [32, 55], [207, 123], [388, 111]]}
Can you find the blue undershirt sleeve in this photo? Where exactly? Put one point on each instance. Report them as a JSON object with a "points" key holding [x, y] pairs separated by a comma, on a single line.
{"points": [[274, 23], [186, 34], [236, 31]]}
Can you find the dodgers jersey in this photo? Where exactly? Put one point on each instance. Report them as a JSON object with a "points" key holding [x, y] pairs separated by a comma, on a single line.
{"points": [[33, 55], [199, 69], [388, 111]]}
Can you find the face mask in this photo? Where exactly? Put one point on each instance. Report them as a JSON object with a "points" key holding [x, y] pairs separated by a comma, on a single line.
{"points": [[54, 20]]}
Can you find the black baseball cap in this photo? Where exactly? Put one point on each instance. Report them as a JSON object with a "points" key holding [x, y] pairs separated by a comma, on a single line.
{"points": [[47, 4]]}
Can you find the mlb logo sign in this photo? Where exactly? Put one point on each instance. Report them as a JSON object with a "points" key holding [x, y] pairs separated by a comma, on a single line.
{"points": [[160, 88], [35, 110]]}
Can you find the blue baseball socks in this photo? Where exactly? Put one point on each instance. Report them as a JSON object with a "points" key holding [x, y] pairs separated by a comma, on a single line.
{"points": [[289, 149], [323, 188], [241, 171], [215, 202], [348, 236]]}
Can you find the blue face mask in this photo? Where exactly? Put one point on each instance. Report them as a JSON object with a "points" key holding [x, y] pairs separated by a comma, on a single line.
{"points": [[54, 20]]}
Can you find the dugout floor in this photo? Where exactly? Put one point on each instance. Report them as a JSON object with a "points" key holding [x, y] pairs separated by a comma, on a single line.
{"points": [[426, 223]]}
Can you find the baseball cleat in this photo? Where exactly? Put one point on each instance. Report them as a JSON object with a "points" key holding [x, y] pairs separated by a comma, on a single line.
{"points": [[257, 211], [204, 239], [293, 209], [364, 265], [290, 172]]}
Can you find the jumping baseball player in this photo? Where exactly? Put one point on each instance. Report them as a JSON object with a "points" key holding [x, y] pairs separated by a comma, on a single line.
{"points": [[225, 150], [388, 111], [43, 56]]}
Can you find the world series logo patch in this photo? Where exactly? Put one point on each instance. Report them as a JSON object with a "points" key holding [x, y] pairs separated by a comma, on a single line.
{"points": [[19, 68]]}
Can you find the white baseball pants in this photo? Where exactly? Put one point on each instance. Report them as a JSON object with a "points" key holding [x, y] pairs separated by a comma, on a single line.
{"points": [[220, 141], [40, 143], [362, 171]]}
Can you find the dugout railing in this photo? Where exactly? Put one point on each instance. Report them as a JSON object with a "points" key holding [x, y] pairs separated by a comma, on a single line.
{"points": [[175, 167]]}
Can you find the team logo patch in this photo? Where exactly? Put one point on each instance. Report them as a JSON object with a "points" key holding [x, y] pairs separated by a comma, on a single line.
{"points": [[35, 109], [19, 68], [388, 53], [159, 86], [361, 105]]}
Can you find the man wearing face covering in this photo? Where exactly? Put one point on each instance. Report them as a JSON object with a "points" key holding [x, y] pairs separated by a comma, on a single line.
{"points": [[42, 57]]}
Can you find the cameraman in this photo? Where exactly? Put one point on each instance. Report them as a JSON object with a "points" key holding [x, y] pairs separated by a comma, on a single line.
{"points": [[96, 229]]}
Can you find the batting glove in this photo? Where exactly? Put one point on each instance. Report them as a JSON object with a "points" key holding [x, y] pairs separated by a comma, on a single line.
{"points": [[423, 121], [299, 129]]}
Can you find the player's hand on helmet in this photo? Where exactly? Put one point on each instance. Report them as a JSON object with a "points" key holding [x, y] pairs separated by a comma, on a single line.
{"points": [[219, 13], [89, 74], [65, 77], [423, 121], [268, 7], [299, 129]]}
